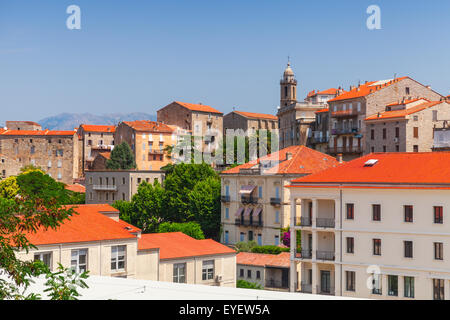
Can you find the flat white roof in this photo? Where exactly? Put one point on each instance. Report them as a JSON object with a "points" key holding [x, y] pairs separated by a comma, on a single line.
{"points": [[104, 288]]}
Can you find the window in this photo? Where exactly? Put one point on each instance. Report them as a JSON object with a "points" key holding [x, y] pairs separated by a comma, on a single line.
{"points": [[376, 284], [277, 216], [384, 133], [258, 274], [249, 273], [350, 245], [376, 212], [179, 273], [59, 163], [260, 193], [45, 257], [384, 148], [435, 115], [438, 215], [372, 134], [409, 287], [241, 273], [415, 148], [416, 132], [393, 285], [227, 190], [118, 258], [408, 213], [408, 245], [59, 176], [227, 213], [350, 211], [78, 262], [208, 270], [438, 289], [377, 247], [226, 237], [438, 251], [242, 237], [32, 150], [407, 90], [397, 132], [277, 240], [259, 239], [350, 280]]}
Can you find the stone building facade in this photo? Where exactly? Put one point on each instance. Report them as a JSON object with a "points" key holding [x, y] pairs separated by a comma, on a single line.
{"points": [[147, 140], [201, 120], [55, 152], [249, 121], [348, 132], [95, 139], [405, 127], [108, 186], [23, 125]]}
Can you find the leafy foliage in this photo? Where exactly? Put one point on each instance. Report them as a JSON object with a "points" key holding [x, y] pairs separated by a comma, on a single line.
{"points": [[248, 285], [63, 284], [9, 188], [246, 246], [269, 249], [122, 158], [191, 229]]}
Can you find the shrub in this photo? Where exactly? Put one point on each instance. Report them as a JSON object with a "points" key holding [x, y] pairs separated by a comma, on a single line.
{"points": [[245, 246], [248, 285], [269, 249]]}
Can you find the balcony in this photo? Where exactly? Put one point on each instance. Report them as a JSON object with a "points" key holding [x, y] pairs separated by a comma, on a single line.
{"points": [[249, 199], [325, 223], [156, 151], [305, 222], [325, 255], [101, 147], [256, 223], [104, 187], [225, 198], [344, 114], [239, 222], [338, 131], [325, 290], [275, 201], [249, 223], [306, 254], [344, 150], [306, 287]]}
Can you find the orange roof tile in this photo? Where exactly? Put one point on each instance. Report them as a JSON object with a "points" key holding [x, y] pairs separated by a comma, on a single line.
{"points": [[403, 112], [366, 89], [173, 245], [399, 103], [303, 161], [262, 260], [257, 115], [198, 107], [149, 126], [323, 110], [98, 128], [428, 168], [76, 187], [36, 133], [86, 226], [331, 91]]}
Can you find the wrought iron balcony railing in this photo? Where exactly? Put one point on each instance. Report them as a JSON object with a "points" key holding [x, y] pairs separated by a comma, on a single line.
{"points": [[325, 255]]}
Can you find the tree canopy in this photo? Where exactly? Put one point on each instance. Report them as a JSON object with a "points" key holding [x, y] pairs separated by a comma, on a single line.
{"points": [[122, 158]]}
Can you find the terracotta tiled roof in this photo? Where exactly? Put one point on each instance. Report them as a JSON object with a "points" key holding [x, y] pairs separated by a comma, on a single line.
{"points": [[106, 155], [331, 91], [98, 128], [149, 126], [429, 168], [399, 103], [303, 161], [322, 110], [173, 245], [36, 133], [257, 115], [86, 226], [76, 188], [262, 260], [366, 89], [198, 107], [403, 112]]}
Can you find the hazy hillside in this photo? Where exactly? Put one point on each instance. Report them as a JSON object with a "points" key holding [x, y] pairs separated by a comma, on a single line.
{"points": [[68, 121]]}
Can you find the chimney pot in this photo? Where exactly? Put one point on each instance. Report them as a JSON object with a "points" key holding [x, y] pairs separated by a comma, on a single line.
{"points": [[339, 157]]}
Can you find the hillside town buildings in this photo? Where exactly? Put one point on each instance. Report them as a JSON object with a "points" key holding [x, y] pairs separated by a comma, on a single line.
{"points": [[375, 227], [249, 121]]}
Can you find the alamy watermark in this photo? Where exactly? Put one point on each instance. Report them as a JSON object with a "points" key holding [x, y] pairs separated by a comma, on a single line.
{"points": [[374, 20], [74, 19]]}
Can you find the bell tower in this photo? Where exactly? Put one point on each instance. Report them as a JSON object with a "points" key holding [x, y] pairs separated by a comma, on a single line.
{"points": [[288, 87]]}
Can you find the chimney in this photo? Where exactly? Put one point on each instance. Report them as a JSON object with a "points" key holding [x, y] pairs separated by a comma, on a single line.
{"points": [[288, 155], [428, 87], [339, 157]]}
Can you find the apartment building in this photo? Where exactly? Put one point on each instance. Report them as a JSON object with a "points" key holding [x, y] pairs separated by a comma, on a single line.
{"points": [[96, 240], [249, 121], [347, 112], [255, 202], [200, 120], [183, 259], [108, 186], [406, 126], [95, 139], [270, 271], [319, 134], [148, 140], [55, 152], [295, 118], [375, 227]]}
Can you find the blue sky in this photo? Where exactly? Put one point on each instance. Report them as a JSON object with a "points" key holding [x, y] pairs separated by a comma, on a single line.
{"points": [[138, 56]]}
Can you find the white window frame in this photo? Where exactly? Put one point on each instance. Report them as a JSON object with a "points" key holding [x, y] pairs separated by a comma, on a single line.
{"points": [[208, 270], [75, 263], [179, 277], [118, 255]]}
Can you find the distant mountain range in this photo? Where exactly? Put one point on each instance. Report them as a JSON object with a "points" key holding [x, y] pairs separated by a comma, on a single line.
{"points": [[69, 121]]}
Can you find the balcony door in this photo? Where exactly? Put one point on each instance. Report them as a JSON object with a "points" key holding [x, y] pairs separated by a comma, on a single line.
{"points": [[325, 281]]}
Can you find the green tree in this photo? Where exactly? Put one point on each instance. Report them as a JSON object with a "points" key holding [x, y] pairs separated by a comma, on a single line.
{"points": [[191, 229], [9, 187], [64, 283], [122, 158], [126, 210], [204, 206], [36, 210]]}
